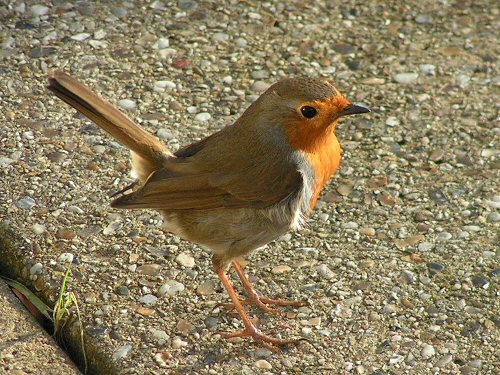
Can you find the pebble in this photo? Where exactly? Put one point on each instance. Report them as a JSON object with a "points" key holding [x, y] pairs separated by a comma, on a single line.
{"points": [[281, 269], [263, 364], [262, 353], [405, 78], [240, 42], [65, 258], [367, 231], [444, 360], [122, 290], [160, 335], [260, 86], [148, 299], [171, 288], [260, 74], [493, 217], [149, 269], [122, 352], [160, 86], [39, 10], [38, 228], [202, 117], [185, 260], [36, 269], [161, 43], [127, 104], [434, 267], [25, 203], [178, 343], [80, 37], [424, 246], [423, 19], [392, 121], [325, 272], [427, 351], [443, 236], [206, 288], [220, 37], [476, 363], [479, 281], [427, 69], [350, 225]]}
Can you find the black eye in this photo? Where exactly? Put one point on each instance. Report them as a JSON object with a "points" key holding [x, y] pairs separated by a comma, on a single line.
{"points": [[308, 112]]}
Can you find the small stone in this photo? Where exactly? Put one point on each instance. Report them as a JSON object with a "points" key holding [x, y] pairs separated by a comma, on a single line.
{"points": [[389, 308], [185, 260], [479, 281], [424, 246], [161, 86], [39, 10], [202, 117], [392, 121], [476, 363], [119, 12], [220, 37], [423, 19], [444, 236], [427, 69], [436, 155], [65, 234], [65, 258], [260, 86], [263, 364], [36, 269], [122, 352], [405, 78], [345, 189], [42, 51], [444, 360], [127, 104], [240, 42], [435, 268], [260, 74], [171, 288], [178, 343], [80, 37], [350, 225], [162, 358], [325, 272], [25, 203], [493, 217], [408, 277], [206, 288], [149, 269], [367, 231], [375, 183], [281, 269], [160, 335], [184, 326], [38, 228], [427, 351], [161, 43], [122, 290], [148, 299], [262, 353]]}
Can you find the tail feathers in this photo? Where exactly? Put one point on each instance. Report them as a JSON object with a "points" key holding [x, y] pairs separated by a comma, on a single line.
{"points": [[122, 128]]}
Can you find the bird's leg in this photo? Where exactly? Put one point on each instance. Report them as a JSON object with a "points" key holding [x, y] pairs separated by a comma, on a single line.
{"points": [[261, 302], [250, 329]]}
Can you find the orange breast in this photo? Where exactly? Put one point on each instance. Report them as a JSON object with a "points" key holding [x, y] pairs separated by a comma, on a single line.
{"points": [[322, 150]]}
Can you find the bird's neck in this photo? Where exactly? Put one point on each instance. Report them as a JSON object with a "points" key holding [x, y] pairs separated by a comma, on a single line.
{"points": [[323, 152]]}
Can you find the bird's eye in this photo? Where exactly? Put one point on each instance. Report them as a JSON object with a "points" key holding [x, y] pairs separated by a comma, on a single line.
{"points": [[308, 112]]}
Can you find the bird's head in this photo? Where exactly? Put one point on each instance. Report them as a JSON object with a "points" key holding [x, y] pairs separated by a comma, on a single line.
{"points": [[306, 109]]}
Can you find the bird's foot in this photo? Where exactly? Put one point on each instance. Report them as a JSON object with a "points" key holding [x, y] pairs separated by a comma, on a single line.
{"points": [[269, 342]]}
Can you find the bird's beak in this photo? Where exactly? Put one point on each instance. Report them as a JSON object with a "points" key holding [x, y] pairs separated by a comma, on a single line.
{"points": [[353, 109]]}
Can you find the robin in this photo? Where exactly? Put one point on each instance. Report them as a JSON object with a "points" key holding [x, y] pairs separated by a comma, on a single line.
{"points": [[241, 187]]}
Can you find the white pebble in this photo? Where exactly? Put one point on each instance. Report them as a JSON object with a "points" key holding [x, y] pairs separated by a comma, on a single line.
{"points": [[263, 364], [80, 37], [427, 351], [39, 10], [65, 258], [171, 288], [202, 117], [38, 228], [427, 69], [127, 104], [405, 78], [184, 259]]}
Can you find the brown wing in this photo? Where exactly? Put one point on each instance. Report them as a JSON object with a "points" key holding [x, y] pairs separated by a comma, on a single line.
{"points": [[234, 168]]}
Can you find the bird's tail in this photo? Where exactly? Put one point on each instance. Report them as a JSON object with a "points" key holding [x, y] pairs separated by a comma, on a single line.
{"points": [[148, 153]]}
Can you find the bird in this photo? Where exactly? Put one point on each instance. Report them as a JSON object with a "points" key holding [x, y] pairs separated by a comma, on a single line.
{"points": [[238, 189]]}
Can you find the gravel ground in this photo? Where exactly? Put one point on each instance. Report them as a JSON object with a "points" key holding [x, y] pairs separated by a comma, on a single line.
{"points": [[400, 258]]}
